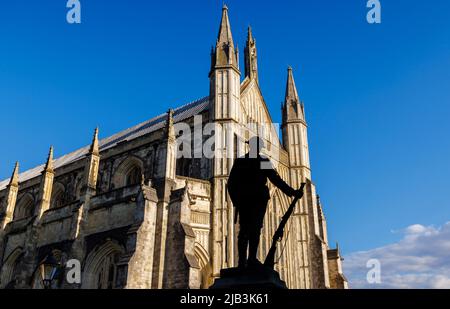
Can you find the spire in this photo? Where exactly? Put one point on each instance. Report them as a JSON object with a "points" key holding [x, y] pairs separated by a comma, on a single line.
{"points": [[94, 149], [225, 53], [225, 35], [49, 164], [293, 108], [251, 56], [249, 34], [291, 89], [15, 176]]}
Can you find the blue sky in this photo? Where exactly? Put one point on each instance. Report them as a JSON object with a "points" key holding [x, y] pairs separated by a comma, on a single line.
{"points": [[377, 96]]}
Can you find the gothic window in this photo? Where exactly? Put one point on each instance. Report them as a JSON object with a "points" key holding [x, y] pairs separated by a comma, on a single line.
{"points": [[58, 196], [184, 167], [102, 266], [134, 176], [106, 275], [58, 203], [24, 208], [11, 269], [129, 173], [305, 147]]}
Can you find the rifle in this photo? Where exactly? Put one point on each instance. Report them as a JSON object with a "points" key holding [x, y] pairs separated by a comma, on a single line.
{"points": [[270, 259]]}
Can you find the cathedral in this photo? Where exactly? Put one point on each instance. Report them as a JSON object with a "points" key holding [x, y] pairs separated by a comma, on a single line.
{"points": [[138, 215]]}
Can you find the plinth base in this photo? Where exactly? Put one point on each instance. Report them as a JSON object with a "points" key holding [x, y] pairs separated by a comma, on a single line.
{"points": [[259, 277]]}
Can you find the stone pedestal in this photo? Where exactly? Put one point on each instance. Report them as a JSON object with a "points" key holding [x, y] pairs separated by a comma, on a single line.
{"points": [[255, 277]]}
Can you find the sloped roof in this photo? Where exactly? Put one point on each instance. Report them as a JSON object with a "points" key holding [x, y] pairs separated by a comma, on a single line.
{"points": [[181, 113]]}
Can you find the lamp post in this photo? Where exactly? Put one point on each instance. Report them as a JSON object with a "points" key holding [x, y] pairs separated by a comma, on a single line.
{"points": [[49, 270]]}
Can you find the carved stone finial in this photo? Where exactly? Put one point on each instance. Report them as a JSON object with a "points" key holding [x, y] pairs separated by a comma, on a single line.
{"points": [[169, 124], [49, 164], [15, 176], [94, 145]]}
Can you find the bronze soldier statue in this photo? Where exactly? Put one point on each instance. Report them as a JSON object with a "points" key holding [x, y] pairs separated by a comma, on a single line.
{"points": [[250, 195]]}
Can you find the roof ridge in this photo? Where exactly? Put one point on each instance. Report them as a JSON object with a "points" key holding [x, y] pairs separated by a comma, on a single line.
{"points": [[192, 102]]}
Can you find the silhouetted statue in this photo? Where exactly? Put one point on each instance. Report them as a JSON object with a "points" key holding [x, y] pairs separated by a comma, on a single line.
{"points": [[250, 195]]}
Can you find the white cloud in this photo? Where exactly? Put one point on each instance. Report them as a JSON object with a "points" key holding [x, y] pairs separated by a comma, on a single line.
{"points": [[420, 260]]}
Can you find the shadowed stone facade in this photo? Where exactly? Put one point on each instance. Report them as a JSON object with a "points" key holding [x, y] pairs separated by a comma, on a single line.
{"points": [[137, 216]]}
